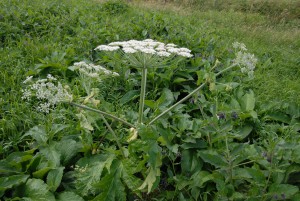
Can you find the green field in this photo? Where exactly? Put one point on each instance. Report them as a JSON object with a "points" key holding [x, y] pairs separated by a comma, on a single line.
{"points": [[235, 139]]}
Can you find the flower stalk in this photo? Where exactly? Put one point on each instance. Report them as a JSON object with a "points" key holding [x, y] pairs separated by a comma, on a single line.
{"points": [[113, 133], [142, 95], [102, 113]]}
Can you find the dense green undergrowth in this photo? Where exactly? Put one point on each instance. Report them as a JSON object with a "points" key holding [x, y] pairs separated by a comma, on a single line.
{"points": [[236, 139]]}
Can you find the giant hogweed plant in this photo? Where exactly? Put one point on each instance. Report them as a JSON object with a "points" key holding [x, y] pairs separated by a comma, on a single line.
{"points": [[205, 143]]}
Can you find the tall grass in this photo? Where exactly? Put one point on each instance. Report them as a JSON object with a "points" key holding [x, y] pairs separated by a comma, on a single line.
{"points": [[261, 25], [57, 33]]}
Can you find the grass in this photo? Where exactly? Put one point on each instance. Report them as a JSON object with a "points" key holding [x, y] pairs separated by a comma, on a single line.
{"points": [[58, 33], [219, 138], [275, 41]]}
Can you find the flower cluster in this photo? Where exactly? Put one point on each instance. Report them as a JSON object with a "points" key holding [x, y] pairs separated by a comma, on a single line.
{"points": [[244, 60], [91, 70], [47, 91], [147, 46]]}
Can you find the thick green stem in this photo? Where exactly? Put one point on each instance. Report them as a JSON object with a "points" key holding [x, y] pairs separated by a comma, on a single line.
{"points": [[142, 95], [176, 104], [113, 133], [188, 96], [103, 113]]}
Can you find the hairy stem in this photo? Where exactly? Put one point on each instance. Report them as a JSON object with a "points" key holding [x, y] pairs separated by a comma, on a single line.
{"points": [[142, 95], [103, 113], [113, 133], [176, 104]]}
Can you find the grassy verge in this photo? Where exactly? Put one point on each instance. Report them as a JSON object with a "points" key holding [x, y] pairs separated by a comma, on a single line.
{"points": [[276, 42], [56, 33], [176, 142]]}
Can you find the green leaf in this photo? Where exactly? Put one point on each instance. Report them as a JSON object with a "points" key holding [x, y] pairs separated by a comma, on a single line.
{"points": [[89, 171], [151, 104], [37, 190], [34, 163], [286, 189], [243, 132], [69, 196], [11, 181], [52, 155], [155, 161], [201, 177], [190, 162], [196, 144], [213, 158], [67, 149], [248, 101], [84, 122], [111, 185], [250, 173], [278, 116], [55, 128], [151, 180], [235, 104], [296, 197], [17, 158], [129, 179], [54, 178], [38, 133], [165, 99], [5, 168], [179, 80], [41, 173], [129, 96]]}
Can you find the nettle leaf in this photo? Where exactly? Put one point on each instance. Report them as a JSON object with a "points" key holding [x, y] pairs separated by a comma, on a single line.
{"points": [[251, 174], [235, 104], [11, 181], [151, 104], [190, 162], [200, 178], [56, 128], [111, 186], [17, 158], [37, 190], [213, 158], [16, 162], [6, 168], [192, 143], [54, 178], [67, 148], [38, 133], [69, 196], [243, 132], [89, 171], [52, 155], [283, 189], [165, 99], [248, 101], [129, 96], [41, 172]]}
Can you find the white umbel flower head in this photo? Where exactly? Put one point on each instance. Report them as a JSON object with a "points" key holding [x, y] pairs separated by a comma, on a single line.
{"points": [[47, 92], [147, 46], [240, 46], [91, 70], [246, 61]]}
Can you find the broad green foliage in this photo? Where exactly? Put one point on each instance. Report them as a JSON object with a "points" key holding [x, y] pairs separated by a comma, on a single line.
{"points": [[137, 127]]}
